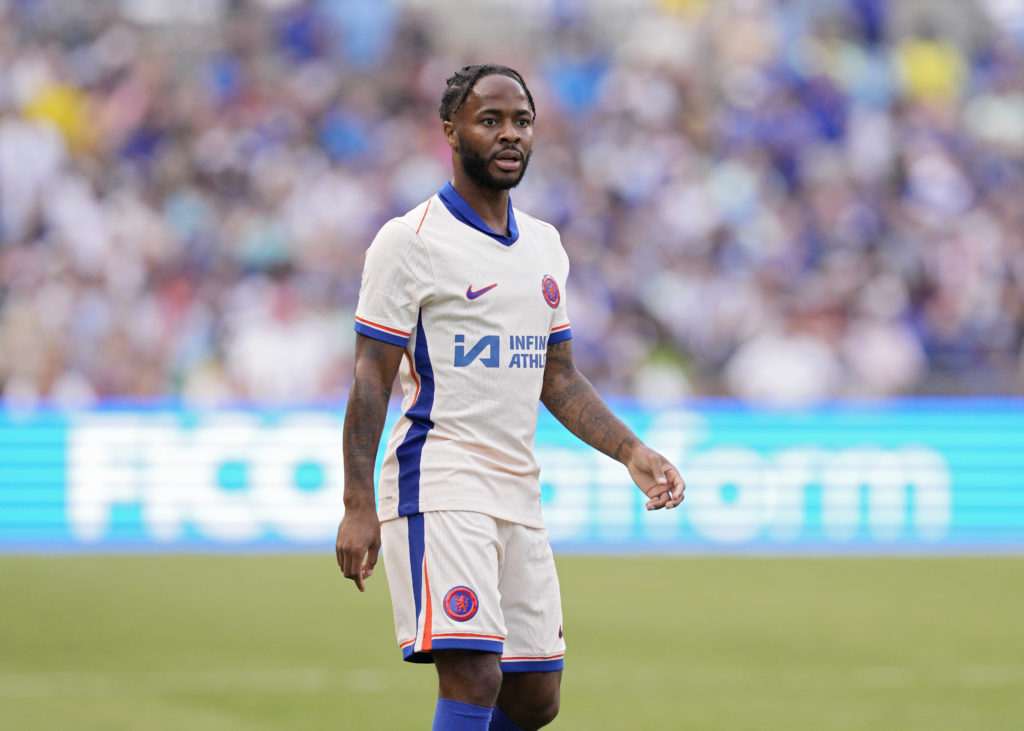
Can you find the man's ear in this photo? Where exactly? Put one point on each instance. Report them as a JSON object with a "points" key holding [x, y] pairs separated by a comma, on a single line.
{"points": [[451, 135]]}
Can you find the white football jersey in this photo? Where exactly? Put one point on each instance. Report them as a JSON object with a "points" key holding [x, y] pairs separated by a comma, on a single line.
{"points": [[475, 312]]}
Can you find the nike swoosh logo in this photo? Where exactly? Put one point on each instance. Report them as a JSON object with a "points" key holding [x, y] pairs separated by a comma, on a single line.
{"points": [[470, 294]]}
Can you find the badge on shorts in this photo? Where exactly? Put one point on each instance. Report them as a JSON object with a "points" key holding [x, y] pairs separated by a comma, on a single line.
{"points": [[461, 603]]}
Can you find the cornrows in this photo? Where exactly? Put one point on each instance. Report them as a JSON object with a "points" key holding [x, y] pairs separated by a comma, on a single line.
{"points": [[462, 82]]}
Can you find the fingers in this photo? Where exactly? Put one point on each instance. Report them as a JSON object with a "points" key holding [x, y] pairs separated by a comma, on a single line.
{"points": [[659, 501], [669, 486], [678, 488], [355, 570], [358, 546], [350, 561], [371, 559], [665, 500]]}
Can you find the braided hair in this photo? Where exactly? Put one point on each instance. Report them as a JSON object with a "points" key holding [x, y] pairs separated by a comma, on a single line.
{"points": [[461, 83]]}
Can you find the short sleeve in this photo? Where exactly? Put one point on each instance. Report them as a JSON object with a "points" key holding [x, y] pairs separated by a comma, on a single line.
{"points": [[560, 329], [397, 278]]}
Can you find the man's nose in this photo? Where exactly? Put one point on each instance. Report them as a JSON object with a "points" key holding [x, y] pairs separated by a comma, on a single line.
{"points": [[510, 131]]}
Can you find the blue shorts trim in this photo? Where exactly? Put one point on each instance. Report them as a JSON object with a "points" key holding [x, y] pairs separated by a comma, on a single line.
{"points": [[467, 643], [410, 655], [533, 666], [452, 643]]}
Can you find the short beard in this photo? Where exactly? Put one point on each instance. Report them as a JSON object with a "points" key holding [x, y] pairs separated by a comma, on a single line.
{"points": [[476, 164]]}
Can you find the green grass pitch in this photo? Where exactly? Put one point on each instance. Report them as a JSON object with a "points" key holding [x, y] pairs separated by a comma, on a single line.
{"points": [[283, 642]]}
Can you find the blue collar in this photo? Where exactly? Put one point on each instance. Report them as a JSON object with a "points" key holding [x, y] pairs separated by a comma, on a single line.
{"points": [[458, 207]]}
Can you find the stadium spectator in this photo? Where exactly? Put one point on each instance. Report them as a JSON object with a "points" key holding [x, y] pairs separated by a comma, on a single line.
{"points": [[186, 190]]}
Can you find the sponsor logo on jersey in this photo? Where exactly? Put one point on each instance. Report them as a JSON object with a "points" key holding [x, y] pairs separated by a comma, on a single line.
{"points": [[489, 343], [472, 294], [461, 603], [524, 351], [549, 287]]}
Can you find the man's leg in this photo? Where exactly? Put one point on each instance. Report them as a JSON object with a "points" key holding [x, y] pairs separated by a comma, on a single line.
{"points": [[534, 644], [443, 569], [468, 685], [527, 701]]}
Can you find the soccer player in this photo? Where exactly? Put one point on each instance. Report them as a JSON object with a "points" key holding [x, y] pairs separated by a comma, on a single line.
{"points": [[470, 293]]}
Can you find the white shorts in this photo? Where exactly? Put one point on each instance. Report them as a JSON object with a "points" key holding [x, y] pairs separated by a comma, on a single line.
{"points": [[466, 580]]}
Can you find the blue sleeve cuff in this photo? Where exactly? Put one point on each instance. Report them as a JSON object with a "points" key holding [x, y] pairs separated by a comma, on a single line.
{"points": [[557, 336], [394, 338]]}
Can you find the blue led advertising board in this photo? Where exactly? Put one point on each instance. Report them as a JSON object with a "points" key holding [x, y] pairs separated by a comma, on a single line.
{"points": [[928, 476]]}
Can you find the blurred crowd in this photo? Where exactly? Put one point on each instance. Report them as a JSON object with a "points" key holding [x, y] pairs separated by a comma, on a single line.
{"points": [[781, 200]]}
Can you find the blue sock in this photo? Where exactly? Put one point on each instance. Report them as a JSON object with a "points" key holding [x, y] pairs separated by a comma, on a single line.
{"points": [[500, 722], [458, 716]]}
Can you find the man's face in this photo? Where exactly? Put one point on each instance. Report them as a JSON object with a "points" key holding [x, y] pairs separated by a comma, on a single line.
{"points": [[492, 133]]}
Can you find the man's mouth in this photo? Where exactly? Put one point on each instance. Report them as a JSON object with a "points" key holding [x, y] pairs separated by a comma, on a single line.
{"points": [[508, 160]]}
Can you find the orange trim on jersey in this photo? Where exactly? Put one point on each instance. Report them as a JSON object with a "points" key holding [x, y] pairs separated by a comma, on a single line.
{"points": [[424, 215], [427, 611], [385, 328], [404, 645], [549, 657], [560, 327], [412, 372], [499, 638]]}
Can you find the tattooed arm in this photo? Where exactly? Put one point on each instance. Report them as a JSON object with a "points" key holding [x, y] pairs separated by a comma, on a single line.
{"points": [[359, 532], [569, 396]]}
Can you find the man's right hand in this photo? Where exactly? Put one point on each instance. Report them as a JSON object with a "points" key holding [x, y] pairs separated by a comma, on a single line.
{"points": [[358, 541], [359, 532]]}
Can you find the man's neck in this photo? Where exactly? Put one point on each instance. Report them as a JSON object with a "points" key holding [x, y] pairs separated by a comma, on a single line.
{"points": [[490, 205]]}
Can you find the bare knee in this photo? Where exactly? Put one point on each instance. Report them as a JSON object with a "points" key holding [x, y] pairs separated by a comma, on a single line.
{"points": [[531, 700], [534, 713], [469, 676]]}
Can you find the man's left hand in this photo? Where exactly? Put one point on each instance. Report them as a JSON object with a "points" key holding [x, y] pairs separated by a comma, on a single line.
{"points": [[656, 477]]}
